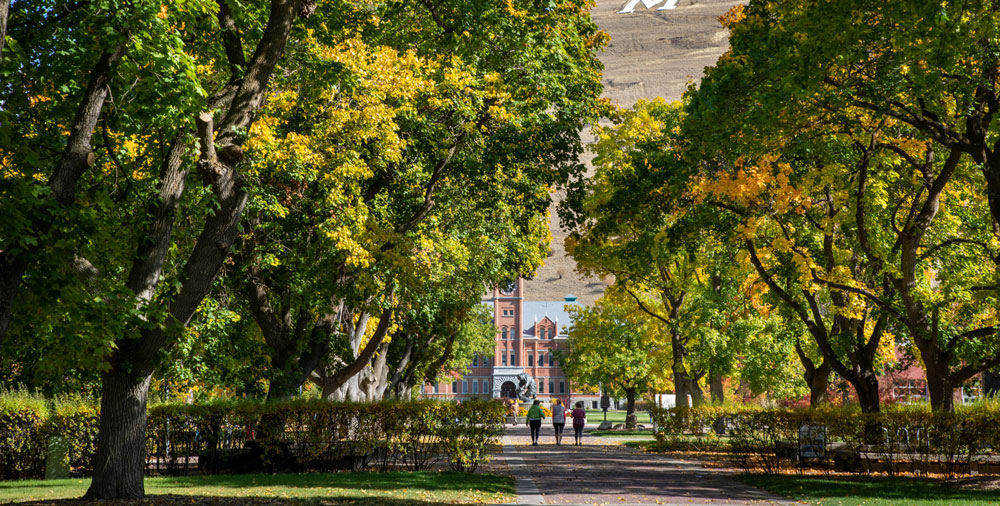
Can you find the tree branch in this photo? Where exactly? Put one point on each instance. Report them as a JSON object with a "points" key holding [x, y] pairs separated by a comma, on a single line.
{"points": [[860, 291], [250, 94], [348, 371], [643, 307], [930, 251]]}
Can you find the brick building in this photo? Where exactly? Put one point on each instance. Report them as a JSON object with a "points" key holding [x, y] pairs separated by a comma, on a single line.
{"points": [[527, 334]]}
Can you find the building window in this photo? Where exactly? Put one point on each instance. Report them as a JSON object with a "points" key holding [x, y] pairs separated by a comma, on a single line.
{"points": [[541, 386], [503, 333], [562, 387], [552, 386], [551, 363], [485, 388], [504, 357], [541, 359], [512, 359], [436, 385], [531, 359], [475, 361]]}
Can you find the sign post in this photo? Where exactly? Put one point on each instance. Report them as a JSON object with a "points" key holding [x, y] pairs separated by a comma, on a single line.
{"points": [[812, 442]]}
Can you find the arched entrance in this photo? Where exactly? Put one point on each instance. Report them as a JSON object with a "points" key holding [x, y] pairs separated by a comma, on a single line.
{"points": [[508, 390]]}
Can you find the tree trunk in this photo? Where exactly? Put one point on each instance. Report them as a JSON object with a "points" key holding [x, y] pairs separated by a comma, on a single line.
{"points": [[818, 378], [681, 385], [867, 389], [630, 418], [401, 367], [4, 9], [991, 384], [11, 270], [282, 386], [341, 382], [717, 389], [121, 442], [697, 394], [939, 386], [819, 385], [991, 171], [681, 389]]}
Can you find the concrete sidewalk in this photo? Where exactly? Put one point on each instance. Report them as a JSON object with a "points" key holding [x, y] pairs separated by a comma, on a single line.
{"points": [[605, 472]]}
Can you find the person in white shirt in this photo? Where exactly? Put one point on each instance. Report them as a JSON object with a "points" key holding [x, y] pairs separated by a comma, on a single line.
{"points": [[558, 420]]}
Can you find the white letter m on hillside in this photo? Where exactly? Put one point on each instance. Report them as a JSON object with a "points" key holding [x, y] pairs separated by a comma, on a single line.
{"points": [[630, 6]]}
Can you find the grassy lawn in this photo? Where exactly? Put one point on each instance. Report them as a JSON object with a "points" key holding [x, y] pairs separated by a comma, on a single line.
{"points": [[681, 444], [396, 488], [597, 416], [640, 444], [623, 434], [871, 491]]}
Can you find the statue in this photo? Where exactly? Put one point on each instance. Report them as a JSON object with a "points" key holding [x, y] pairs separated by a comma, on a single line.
{"points": [[526, 387]]}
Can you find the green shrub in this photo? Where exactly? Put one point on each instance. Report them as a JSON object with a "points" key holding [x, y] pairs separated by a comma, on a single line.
{"points": [[315, 434], [475, 433], [22, 438], [245, 436], [75, 420], [899, 439]]}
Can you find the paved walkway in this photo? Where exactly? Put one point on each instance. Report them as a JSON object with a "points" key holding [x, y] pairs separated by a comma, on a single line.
{"points": [[605, 472]]}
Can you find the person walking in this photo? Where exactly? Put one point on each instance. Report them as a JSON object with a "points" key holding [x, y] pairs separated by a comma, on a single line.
{"points": [[579, 421], [535, 416], [512, 409], [558, 420]]}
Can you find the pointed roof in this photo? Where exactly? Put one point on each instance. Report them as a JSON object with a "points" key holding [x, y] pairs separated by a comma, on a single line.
{"points": [[554, 311]]}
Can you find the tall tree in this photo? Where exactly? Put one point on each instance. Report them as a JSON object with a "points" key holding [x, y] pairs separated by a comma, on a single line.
{"points": [[614, 344], [178, 75], [121, 439], [622, 223], [886, 207], [420, 144]]}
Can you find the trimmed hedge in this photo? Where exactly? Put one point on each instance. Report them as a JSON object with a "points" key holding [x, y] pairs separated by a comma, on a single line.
{"points": [[22, 450], [899, 439], [249, 436]]}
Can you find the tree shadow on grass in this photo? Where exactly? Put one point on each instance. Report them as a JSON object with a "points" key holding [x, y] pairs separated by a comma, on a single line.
{"points": [[363, 488], [198, 500], [430, 481], [900, 488], [52, 484]]}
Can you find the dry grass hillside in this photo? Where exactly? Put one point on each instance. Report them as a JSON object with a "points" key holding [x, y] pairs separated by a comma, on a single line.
{"points": [[653, 53]]}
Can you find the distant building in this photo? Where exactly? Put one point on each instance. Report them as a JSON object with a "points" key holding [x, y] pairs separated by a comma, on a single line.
{"points": [[527, 334], [910, 385]]}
